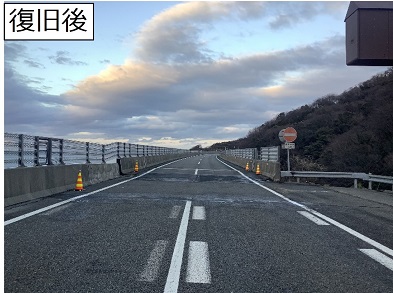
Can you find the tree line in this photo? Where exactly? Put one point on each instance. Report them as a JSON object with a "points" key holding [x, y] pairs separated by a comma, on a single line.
{"points": [[349, 132]]}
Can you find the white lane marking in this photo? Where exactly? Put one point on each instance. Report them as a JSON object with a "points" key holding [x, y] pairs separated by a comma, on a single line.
{"points": [[172, 281], [150, 271], [196, 171], [58, 209], [379, 257], [313, 218], [199, 162], [188, 169], [198, 213], [198, 267], [374, 243], [175, 212], [22, 217]]}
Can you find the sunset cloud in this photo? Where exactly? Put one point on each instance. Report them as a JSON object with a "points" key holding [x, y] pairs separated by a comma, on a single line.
{"points": [[182, 84]]}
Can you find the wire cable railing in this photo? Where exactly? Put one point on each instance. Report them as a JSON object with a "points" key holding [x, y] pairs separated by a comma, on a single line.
{"points": [[21, 150]]}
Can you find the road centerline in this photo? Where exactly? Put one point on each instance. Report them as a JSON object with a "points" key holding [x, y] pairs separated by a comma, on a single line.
{"points": [[198, 213], [198, 267], [150, 271], [172, 282], [175, 212]]}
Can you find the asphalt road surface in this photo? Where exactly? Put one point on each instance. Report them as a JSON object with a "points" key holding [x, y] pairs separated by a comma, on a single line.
{"points": [[199, 225]]}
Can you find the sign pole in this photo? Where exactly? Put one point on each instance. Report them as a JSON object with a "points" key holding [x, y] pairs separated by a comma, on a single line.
{"points": [[288, 136], [289, 166]]}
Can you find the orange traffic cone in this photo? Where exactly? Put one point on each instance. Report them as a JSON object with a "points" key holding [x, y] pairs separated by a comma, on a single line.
{"points": [[247, 167], [258, 171], [136, 168], [79, 183]]}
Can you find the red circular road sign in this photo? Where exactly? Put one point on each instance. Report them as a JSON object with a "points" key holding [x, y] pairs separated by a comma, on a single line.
{"points": [[289, 134]]}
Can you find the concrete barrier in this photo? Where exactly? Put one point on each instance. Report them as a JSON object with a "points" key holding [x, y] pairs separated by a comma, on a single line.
{"points": [[127, 165], [28, 183], [24, 184], [271, 170]]}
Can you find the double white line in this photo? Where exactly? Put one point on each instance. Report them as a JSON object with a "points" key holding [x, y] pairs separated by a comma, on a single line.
{"points": [[198, 268]]}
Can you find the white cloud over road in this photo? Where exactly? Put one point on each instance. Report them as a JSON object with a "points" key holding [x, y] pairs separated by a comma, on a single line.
{"points": [[175, 90]]}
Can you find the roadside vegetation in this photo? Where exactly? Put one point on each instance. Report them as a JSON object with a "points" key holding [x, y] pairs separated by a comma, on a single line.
{"points": [[350, 132]]}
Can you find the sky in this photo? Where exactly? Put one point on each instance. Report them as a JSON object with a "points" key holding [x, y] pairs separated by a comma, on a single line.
{"points": [[178, 74]]}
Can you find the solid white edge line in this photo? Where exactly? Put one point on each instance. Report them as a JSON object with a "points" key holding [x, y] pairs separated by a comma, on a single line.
{"points": [[379, 257], [198, 267], [150, 271], [374, 243], [22, 217], [172, 281], [313, 218]]}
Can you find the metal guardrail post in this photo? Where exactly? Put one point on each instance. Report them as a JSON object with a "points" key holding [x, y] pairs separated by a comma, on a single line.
{"points": [[61, 149], [21, 161], [36, 151], [87, 153], [49, 151], [103, 154], [118, 150]]}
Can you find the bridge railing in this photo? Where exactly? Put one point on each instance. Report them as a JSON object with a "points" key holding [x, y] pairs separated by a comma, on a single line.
{"points": [[266, 154], [272, 154], [250, 153], [21, 150]]}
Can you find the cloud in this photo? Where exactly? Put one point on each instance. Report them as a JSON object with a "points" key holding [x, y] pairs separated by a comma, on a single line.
{"points": [[175, 91], [29, 109], [290, 14], [62, 58], [13, 51], [174, 35], [34, 64]]}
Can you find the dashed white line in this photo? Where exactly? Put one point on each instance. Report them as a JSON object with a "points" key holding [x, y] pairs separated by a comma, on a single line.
{"points": [[198, 267], [313, 218], [364, 238], [196, 172], [150, 271], [175, 212], [379, 257], [198, 213], [172, 281]]}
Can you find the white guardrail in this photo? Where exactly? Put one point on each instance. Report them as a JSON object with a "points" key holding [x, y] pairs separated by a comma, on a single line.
{"points": [[355, 176]]}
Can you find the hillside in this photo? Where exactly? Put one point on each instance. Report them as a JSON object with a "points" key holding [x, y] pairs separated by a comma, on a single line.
{"points": [[351, 132]]}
